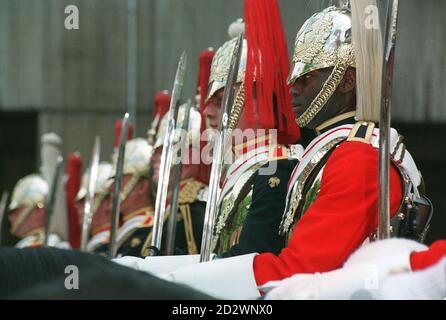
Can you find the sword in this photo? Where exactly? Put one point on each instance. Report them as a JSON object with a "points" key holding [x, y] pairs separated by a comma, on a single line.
{"points": [[219, 151], [3, 203], [384, 122], [117, 187], [49, 208], [166, 158], [89, 198], [177, 169]]}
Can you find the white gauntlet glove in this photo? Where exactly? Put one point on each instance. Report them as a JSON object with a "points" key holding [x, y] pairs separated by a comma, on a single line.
{"points": [[228, 278], [361, 277], [158, 265]]}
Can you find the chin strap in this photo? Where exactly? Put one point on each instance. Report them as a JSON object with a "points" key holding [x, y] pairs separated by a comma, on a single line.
{"points": [[330, 86]]}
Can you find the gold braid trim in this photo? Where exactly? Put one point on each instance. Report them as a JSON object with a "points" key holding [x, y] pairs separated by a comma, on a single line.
{"points": [[327, 90], [231, 201], [39, 233], [298, 189], [145, 249], [98, 198], [237, 107], [129, 186], [189, 189], [188, 229], [145, 211], [102, 227], [122, 196]]}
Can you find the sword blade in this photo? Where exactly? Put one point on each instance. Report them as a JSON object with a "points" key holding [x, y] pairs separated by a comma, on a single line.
{"points": [[384, 122], [89, 198], [117, 187], [219, 151], [177, 170], [166, 158]]}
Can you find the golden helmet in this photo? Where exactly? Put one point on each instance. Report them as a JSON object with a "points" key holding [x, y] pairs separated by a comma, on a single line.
{"points": [[102, 182], [136, 163], [137, 157], [30, 191], [325, 40], [194, 127], [222, 60]]}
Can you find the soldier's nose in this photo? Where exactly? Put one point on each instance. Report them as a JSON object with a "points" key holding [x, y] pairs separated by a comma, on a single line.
{"points": [[296, 88], [210, 109]]}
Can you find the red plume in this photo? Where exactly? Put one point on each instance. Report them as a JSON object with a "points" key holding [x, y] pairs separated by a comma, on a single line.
{"points": [[162, 103], [74, 167], [268, 64], [204, 72]]}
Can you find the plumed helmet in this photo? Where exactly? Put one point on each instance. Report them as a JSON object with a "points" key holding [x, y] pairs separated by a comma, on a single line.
{"points": [[222, 60], [325, 40], [102, 183]]}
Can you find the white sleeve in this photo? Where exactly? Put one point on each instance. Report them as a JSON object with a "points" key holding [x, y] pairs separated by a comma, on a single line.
{"points": [[362, 281], [228, 278], [362, 276], [425, 284], [158, 265]]}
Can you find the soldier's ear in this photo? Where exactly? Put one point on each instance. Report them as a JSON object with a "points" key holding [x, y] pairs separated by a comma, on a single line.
{"points": [[348, 83]]}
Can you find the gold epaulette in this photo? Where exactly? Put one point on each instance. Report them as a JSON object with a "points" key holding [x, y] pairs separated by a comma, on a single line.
{"points": [[189, 189], [362, 132], [145, 211]]}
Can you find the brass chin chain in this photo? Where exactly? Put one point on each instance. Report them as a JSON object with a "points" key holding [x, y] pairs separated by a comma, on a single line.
{"points": [[129, 186], [237, 108], [324, 95]]}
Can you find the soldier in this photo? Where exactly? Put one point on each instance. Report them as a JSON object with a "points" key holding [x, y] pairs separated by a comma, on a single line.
{"points": [[248, 224], [194, 173], [251, 202], [136, 206], [137, 199], [336, 183], [27, 213], [100, 223]]}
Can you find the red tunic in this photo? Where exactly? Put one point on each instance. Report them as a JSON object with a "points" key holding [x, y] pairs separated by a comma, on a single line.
{"points": [[341, 218]]}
